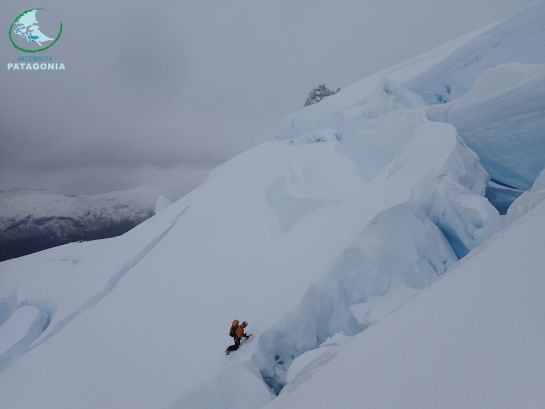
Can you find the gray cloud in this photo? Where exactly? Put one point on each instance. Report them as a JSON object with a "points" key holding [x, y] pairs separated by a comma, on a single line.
{"points": [[158, 93]]}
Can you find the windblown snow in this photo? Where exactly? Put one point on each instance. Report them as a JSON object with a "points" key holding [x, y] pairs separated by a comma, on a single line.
{"points": [[360, 246]]}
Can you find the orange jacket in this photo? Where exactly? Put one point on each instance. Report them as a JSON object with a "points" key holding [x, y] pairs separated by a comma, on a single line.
{"points": [[239, 332]]}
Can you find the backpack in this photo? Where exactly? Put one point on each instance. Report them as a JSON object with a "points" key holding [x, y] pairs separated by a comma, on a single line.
{"points": [[234, 327]]}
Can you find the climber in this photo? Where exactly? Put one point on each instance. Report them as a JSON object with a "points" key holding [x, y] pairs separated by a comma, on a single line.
{"points": [[238, 333]]}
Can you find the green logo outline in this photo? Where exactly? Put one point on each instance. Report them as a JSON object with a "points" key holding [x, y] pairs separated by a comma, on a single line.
{"points": [[40, 49]]}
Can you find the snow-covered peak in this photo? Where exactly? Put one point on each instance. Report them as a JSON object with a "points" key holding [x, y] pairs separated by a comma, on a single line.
{"points": [[33, 220], [19, 204]]}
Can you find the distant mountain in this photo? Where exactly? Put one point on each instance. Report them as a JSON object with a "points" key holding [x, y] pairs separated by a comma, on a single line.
{"points": [[34, 220]]}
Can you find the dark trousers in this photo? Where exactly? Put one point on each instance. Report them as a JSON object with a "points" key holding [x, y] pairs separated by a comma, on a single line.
{"points": [[235, 346]]}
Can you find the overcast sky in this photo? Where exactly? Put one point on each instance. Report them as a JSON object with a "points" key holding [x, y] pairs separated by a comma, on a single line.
{"points": [[158, 93]]}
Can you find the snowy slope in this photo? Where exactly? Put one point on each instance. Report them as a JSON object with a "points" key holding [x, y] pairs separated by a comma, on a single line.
{"points": [[223, 240], [520, 38], [369, 197], [472, 340], [502, 117], [504, 109], [33, 220]]}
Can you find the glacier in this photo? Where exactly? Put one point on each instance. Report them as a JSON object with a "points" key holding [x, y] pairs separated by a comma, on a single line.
{"points": [[472, 339], [361, 246]]}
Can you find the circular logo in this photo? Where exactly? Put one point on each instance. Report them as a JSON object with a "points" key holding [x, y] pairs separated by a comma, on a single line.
{"points": [[35, 30]]}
